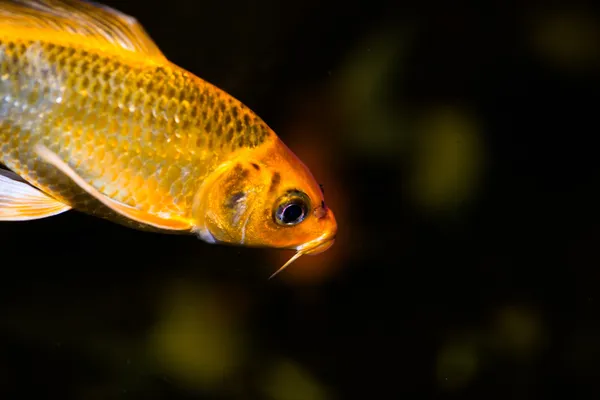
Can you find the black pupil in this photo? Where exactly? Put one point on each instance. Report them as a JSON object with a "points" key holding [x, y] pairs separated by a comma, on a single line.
{"points": [[292, 213]]}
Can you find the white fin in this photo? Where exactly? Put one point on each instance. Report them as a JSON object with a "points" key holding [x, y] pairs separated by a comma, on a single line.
{"points": [[20, 201], [171, 223], [79, 17]]}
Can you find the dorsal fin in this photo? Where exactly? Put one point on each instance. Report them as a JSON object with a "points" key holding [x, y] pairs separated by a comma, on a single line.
{"points": [[97, 22]]}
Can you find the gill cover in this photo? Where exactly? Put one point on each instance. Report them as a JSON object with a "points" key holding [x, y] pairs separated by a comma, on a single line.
{"points": [[223, 206]]}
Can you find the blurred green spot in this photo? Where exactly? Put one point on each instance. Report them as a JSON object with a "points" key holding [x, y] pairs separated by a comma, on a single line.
{"points": [[447, 159], [288, 381], [457, 364], [193, 343]]}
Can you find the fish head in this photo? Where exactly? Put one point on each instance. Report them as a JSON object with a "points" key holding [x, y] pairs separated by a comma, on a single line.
{"points": [[265, 197]]}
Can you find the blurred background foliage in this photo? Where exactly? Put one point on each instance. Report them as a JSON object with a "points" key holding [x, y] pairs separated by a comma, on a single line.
{"points": [[456, 146]]}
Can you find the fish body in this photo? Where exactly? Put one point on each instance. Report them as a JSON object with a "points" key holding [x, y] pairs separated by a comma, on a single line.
{"points": [[143, 133], [96, 118]]}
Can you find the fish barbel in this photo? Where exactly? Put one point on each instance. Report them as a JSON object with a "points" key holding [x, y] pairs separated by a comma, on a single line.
{"points": [[93, 117]]}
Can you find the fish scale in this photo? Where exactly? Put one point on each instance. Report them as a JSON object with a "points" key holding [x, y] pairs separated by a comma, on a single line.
{"points": [[106, 115]]}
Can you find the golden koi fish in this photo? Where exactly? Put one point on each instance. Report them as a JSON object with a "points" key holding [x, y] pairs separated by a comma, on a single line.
{"points": [[93, 117]]}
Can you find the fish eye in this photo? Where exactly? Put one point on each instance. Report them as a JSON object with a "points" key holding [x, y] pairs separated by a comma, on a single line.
{"points": [[292, 210]]}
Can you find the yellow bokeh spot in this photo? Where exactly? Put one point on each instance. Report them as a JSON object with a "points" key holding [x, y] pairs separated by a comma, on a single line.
{"points": [[447, 159], [287, 381], [362, 89], [193, 343], [517, 331], [457, 363], [567, 38]]}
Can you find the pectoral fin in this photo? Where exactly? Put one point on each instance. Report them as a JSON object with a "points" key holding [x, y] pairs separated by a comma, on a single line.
{"points": [[171, 223], [20, 201]]}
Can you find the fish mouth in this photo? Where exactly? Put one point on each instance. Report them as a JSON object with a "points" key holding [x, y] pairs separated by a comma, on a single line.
{"points": [[320, 248], [316, 246]]}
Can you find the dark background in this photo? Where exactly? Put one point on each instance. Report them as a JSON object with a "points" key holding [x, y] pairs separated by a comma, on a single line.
{"points": [[457, 149]]}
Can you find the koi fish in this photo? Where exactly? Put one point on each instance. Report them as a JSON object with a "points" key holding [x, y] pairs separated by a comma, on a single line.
{"points": [[95, 118]]}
